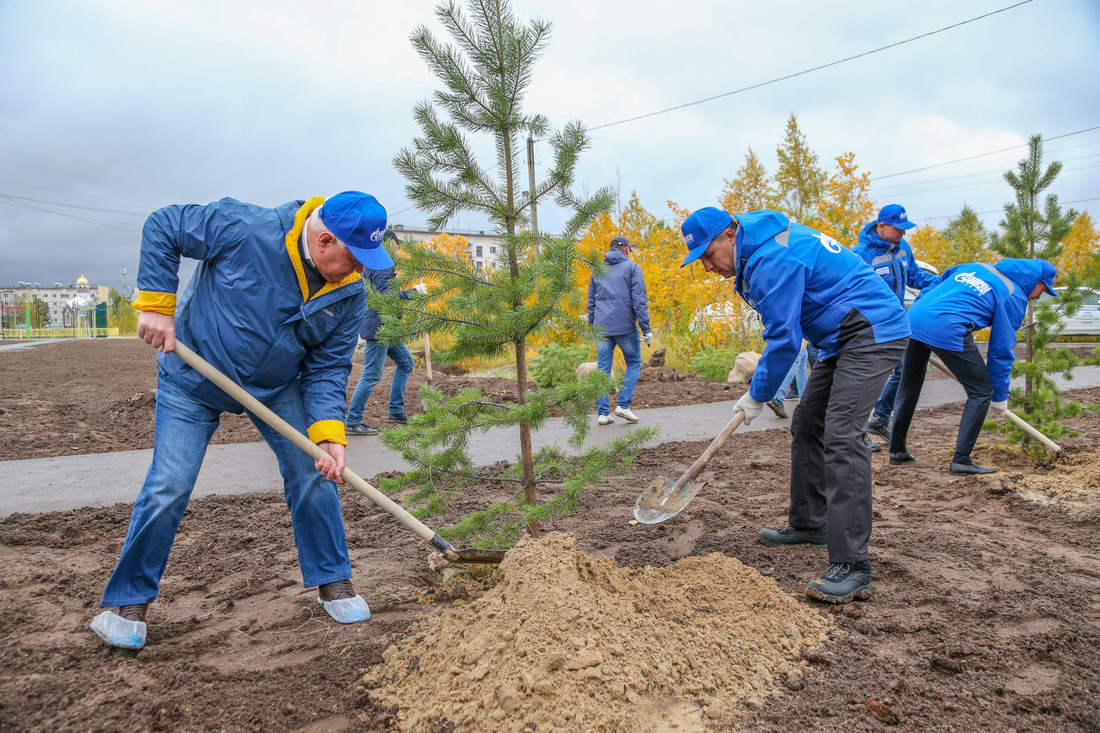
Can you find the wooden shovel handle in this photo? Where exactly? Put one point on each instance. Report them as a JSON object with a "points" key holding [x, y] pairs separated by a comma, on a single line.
{"points": [[427, 353], [1019, 421], [701, 462]]}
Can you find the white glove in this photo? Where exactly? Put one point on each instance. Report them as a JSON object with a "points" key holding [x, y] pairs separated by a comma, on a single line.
{"points": [[749, 406], [421, 288], [997, 410], [648, 339]]}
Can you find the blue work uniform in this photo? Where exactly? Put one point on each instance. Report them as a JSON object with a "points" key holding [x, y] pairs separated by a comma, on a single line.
{"points": [[895, 263], [964, 299], [261, 314], [805, 284]]}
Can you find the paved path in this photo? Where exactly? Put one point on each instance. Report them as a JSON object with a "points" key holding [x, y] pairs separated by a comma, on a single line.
{"points": [[56, 484]]}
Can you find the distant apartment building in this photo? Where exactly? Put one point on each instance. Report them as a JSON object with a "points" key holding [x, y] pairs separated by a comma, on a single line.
{"points": [[483, 248], [62, 300]]}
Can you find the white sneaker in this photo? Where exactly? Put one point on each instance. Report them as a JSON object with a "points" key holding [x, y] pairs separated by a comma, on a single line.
{"points": [[626, 414], [605, 420]]}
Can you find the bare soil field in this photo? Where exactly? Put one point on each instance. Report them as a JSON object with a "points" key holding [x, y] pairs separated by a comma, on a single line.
{"points": [[986, 613], [96, 396]]}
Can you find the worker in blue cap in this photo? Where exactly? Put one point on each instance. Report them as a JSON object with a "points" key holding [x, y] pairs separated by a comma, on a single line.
{"points": [[807, 285], [882, 245], [275, 304], [964, 299]]}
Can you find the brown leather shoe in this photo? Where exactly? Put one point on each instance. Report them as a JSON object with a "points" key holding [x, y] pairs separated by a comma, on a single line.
{"points": [[135, 612], [336, 591]]}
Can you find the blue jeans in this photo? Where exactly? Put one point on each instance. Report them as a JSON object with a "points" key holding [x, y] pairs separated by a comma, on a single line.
{"points": [[798, 373], [374, 357], [885, 405], [631, 346], [183, 430]]}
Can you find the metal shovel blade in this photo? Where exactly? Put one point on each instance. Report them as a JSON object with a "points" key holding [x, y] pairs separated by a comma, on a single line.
{"points": [[664, 499], [474, 555]]}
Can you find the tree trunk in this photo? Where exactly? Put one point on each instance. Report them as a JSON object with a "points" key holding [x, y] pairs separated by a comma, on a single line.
{"points": [[525, 432]]}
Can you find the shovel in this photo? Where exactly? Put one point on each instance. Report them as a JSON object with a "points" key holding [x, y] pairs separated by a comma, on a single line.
{"points": [[664, 499], [1020, 422], [250, 403]]}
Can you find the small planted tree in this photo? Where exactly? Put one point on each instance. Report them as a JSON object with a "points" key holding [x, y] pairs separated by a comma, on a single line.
{"points": [[1036, 228], [486, 70]]}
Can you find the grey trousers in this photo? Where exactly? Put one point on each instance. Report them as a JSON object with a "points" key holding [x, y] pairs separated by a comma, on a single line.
{"points": [[830, 457]]}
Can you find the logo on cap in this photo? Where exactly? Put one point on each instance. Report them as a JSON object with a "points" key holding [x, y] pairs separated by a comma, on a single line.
{"points": [[689, 238], [377, 234]]}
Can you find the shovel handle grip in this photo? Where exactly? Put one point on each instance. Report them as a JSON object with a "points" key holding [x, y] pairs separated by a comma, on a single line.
{"points": [[1019, 421], [257, 408]]}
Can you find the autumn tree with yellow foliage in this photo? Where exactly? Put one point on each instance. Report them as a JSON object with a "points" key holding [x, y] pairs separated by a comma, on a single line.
{"points": [[845, 205], [1081, 249]]}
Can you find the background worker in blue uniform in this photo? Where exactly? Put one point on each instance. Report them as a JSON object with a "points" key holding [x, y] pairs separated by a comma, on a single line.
{"points": [[617, 303], [805, 284], [374, 358], [274, 304], [964, 299], [882, 245]]}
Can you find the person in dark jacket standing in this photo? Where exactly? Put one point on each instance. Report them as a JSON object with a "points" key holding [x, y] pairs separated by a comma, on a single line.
{"points": [[374, 358], [882, 245], [274, 304], [807, 285], [617, 303], [964, 299]]}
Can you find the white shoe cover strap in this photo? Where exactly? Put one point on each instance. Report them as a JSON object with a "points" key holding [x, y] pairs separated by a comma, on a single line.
{"points": [[118, 631], [347, 610]]}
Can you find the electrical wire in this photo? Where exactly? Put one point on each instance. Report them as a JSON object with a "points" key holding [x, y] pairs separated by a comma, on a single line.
{"points": [[807, 71]]}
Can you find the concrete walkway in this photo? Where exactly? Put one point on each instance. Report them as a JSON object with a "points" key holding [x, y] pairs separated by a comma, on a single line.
{"points": [[57, 484]]}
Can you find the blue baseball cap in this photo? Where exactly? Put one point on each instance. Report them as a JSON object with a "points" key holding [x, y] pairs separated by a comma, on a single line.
{"points": [[619, 242], [1047, 275], [894, 215], [701, 228], [359, 221]]}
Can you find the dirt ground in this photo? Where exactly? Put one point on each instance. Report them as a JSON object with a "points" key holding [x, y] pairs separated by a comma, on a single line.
{"points": [[986, 614], [96, 396]]}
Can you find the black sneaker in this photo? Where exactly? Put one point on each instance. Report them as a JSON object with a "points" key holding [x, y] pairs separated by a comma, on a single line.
{"points": [[397, 417], [969, 468], [360, 429], [776, 406], [794, 536], [842, 582], [875, 447], [881, 428], [900, 457]]}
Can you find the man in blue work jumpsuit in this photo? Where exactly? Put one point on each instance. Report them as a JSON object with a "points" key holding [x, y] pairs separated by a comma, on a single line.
{"points": [[882, 245], [274, 304], [964, 299], [807, 285]]}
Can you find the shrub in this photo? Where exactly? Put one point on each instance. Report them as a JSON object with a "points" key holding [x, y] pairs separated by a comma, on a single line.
{"points": [[714, 363], [556, 364]]}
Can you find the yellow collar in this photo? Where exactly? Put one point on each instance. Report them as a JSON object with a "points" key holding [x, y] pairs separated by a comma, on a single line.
{"points": [[292, 239]]}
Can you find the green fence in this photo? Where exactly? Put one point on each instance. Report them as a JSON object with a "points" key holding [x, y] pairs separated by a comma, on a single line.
{"points": [[58, 333]]}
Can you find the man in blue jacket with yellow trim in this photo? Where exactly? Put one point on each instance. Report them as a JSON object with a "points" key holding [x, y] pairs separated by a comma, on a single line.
{"points": [[275, 304], [964, 299], [882, 245], [807, 285]]}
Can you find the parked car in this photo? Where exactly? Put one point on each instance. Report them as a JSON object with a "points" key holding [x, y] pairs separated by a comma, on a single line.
{"points": [[1086, 320], [912, 293]]}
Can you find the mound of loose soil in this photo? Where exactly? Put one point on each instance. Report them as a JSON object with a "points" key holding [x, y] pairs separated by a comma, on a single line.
{"points": [[1073, 485], [567, 639]]}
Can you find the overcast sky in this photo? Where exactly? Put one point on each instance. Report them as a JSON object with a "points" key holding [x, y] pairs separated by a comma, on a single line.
{"points": [[112, 108]]}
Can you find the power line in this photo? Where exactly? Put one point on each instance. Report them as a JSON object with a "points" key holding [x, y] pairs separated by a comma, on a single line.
{"points": [[999, 172], [1000, 211], [998, 179], [809, 71], [983, 155]]}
